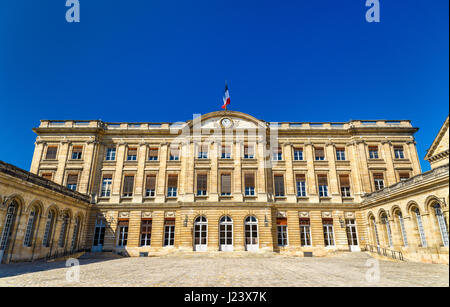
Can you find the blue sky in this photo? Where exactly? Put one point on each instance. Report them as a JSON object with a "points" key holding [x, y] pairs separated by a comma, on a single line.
{"points": [[156, 61]]}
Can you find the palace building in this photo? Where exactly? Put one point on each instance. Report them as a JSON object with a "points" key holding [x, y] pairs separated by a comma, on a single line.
{"points": [[227, 182]]}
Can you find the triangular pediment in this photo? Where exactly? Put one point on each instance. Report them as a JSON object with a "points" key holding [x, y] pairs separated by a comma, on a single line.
{"points": [[440, 143]]}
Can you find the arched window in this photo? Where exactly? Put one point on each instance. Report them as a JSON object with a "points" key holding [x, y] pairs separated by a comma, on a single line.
{"points": [[31, 225], [76, 230], [385, 222], [443, 227], [375, 230], [401, 224], [62, 234], [200, 233], [423, 240], [251, 232], [48, 229], [9, 223], [226, 233]]}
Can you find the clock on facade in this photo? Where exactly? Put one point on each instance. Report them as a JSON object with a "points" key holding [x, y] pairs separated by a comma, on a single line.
{"points": [[226, 122]]}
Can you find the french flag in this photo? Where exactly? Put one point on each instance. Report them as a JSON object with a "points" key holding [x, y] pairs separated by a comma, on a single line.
{"points": [[226, 97]]}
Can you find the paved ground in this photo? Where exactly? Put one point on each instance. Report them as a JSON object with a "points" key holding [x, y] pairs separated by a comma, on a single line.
{"points": [[347, 269]]}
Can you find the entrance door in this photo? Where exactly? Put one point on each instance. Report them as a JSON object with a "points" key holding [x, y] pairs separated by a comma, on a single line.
{"points": [[226, 234], [352, 236], [200, 234], [99, 236], [251, 233]]}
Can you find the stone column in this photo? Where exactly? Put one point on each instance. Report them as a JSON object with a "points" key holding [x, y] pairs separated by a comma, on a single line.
{"points": [[360, 147], [213, 180], [290, 180], [161, 178], [391, 176], [62, 159], [333, 179], [157, 239], [311, 174], [140, 174], [117, 179], [37, 156], [261, 173], [134, 229], [88, 160], [315, 218], [293, 229], [189, 180], [355, 174], [414, 158], [237, 172]]}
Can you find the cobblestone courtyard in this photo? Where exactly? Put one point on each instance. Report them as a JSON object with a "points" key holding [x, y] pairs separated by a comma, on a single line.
{"points": [[347, 269]]}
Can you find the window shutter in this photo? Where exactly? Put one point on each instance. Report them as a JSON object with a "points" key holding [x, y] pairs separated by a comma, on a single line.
{"points": [[174, 150], [281, 221], [202, 182], [128, 184], [327, 221], [378, 176], [344, 180], [153, 152], [132, 151], [123, 222], [300, 177], [226, 183], [373, 148], [249, 180], [304, 221], [319, 152], [72, 179], [279, 184], [150, 182], [322, 179], [172, 181], [51, 152]]}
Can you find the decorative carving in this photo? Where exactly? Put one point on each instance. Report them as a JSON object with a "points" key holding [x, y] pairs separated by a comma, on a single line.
{"points": [[146, 214], [124, 214], [281, 214], [303, 214], [327, 215], [349, 215], [169, 214]]}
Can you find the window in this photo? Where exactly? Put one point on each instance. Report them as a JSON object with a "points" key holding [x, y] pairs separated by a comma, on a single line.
{"points": [[319, 154], [340, 154], [402, 228], [344, 181], [76, 228], [378, 181], [169, 232], [386, 224], [123, 233], [323, 185], [99, 234], [153, 154], [277, 154], [298, 154], [51, 153], [30, 228], [305, 232], [225, 184], [174, 153], [423, 240], [9, 221], [398, 152], [300, 182], [172, 185], [375, 230], [249, 180], [328, 232], [150, 184], [373, 152], [225, 232], [279, 185], [282, 231], [132, 154], [442, 223], [72, 180], [128, 182], [226, 152], [110, 154], [202, 184], [146, 232], [203, 151], [404, 176], [76, 152], [200, 231], [249, 152], [48, 229], [47, 176], [352, 237], [251, 230], [106, 186], [62, 234]]}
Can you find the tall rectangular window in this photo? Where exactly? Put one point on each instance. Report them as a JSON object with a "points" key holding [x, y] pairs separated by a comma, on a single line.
{"points": [[298, 154], [319, 154], [323, 185], [249, 181], [328, 234], [202, 184], [225, 184], [146, 232], [72, 181], [174, 153], [150, 184], [76, 152], [378, 181], [300, 182], [169, 232], [373, 152], [305, 232], [277, 154], [128, 183], [282, 231], [279, 185], [110, 154], [123, 233], [132, 154], [249, 152], [153, 154], [340, 154], [106, 186], [172, 185], [51, 152], [226, 152], [398, 152], [344, 182], [203, 151]]}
